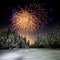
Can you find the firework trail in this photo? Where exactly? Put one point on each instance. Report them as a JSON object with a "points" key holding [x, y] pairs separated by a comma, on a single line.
{"points": [[29, 18]]}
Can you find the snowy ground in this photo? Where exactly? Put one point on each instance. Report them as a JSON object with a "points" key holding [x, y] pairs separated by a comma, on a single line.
{"points": [[30, 54]]}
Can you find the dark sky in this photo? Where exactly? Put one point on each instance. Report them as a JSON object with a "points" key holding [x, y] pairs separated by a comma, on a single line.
{"points": [[52, 7], [6, 6]]}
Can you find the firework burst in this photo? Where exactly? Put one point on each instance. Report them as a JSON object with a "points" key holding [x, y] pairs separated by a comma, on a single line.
{"points": [[28, 19]]}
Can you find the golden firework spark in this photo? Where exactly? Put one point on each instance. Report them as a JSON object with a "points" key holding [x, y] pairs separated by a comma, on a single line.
{"points": [[25, 21], [28, 19]]}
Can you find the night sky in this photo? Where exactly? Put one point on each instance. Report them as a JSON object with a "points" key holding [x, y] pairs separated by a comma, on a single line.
{"points": [[51, 6]]}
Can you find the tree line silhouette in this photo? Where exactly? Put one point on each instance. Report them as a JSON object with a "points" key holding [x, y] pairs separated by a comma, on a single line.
{"points": [[10, 40]]}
